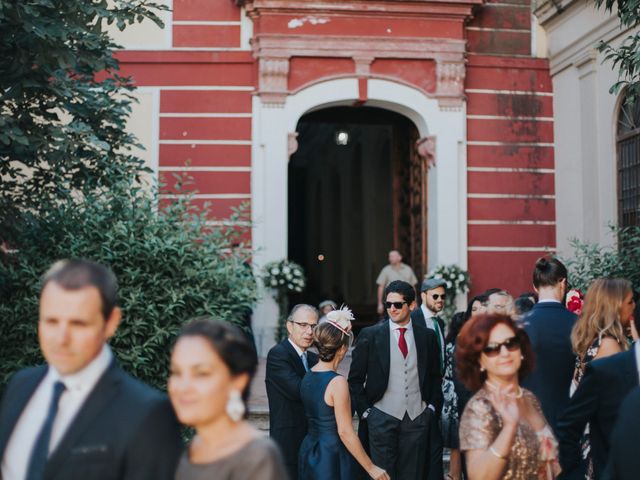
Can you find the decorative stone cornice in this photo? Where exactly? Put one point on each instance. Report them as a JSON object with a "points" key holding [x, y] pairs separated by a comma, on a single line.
{"points": [[273, 52]]}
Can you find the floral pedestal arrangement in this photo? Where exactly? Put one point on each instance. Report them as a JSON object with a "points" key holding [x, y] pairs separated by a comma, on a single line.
{"points": [[283, 277]]}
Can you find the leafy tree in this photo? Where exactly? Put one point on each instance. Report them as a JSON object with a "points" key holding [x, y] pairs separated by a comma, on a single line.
{"points": [[70, 188], [625, 57], [591, 261]]}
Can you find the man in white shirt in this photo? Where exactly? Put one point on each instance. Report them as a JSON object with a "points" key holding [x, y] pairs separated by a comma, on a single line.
{"points": [[80, 416]]}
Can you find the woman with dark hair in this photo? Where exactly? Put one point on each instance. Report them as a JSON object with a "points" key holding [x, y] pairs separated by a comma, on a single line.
{"points": [[502, 431], [212, 365], [477, 305], [328, 450]]}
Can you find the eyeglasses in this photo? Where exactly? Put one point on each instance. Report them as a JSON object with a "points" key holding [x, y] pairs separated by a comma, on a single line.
{"points": [[306, 326], [436, 296], [493, 349], [397, 305]]}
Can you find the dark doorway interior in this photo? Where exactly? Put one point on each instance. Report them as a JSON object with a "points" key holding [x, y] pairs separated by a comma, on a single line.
{"points": [[350, 201]]}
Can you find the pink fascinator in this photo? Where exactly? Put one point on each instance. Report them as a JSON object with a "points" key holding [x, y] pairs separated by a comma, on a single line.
{"points": [[341, 319]]}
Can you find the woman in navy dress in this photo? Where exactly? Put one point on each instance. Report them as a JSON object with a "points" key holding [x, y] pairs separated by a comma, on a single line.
{"points": [[331, 448]]}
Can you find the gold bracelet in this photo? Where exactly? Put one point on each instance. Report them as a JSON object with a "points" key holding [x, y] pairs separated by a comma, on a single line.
{"points": [[496, 454]]}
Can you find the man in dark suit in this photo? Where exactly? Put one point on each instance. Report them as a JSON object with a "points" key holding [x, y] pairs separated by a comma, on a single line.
{"points": [[433, 295], [549, 327], [596, 401], [287, 363], [395, 384], [80, 416], [624, 461]]}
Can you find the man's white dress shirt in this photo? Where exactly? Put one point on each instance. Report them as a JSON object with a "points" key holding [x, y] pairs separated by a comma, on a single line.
{"points": [[78, 387]]}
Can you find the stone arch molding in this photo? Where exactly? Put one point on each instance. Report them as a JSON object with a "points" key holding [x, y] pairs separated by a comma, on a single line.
{"points": [[274, 138]]}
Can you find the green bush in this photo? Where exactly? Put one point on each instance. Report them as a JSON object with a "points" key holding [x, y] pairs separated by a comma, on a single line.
{"points": [[170, 266], [591, 261]]}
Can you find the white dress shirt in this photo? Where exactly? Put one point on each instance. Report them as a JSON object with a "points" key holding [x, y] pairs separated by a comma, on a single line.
{"points": [[408, 334], [78, 387]]}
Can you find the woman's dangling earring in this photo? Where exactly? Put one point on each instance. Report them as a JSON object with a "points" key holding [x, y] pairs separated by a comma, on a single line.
{"points": [[482, 369], [521, 357], [235, 406]]}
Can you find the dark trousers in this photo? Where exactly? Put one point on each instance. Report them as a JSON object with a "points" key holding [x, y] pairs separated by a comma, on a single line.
{"points": [[434, 470], [398, 446]]}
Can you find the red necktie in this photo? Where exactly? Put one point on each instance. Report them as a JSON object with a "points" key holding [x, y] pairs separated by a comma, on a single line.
{"points": [[402, 343]]}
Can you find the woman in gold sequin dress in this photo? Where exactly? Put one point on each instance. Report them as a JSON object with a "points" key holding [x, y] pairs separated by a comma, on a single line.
{"points": [[503, 432]]}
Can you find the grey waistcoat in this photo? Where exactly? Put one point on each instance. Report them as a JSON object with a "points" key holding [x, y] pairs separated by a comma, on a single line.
{"points": [[403, 390]]}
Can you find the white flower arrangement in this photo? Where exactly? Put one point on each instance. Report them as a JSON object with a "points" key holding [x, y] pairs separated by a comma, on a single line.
{"points": [[457, 280], [284, 275]]}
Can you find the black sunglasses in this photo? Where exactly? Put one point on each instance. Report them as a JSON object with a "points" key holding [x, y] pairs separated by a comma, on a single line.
{"points": [[398, 305], [436, 296], [493, 349]]}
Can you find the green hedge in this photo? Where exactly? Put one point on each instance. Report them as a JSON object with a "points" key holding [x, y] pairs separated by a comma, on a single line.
{"points": [[591, 261], [170, 267]]}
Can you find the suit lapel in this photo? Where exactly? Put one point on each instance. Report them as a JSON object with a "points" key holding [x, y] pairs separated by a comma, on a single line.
{"points": [[101, 397], [420, 337], [296, 361], [382, 339], [14, 405]]}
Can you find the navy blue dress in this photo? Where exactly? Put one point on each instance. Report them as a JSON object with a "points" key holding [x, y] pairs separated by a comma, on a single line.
{"points": [[322, 455]]}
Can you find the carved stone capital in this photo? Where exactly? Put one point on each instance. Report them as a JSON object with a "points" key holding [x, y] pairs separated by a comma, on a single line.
{"points": [[273, 77], [426, 147], [450, 84]]}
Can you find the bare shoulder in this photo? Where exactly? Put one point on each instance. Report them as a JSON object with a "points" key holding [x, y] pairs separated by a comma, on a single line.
{"points": [[608, 346]]}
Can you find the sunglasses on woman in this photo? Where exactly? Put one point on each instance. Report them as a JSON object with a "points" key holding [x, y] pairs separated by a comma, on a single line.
{"points": [[493, 349]]}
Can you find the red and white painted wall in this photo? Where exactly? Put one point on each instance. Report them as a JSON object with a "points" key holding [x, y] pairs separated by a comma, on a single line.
{"points": [[223, 86]]}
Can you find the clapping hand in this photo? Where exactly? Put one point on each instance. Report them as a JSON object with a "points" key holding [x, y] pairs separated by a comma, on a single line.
{"points": [[505, 402], [378, 473]]}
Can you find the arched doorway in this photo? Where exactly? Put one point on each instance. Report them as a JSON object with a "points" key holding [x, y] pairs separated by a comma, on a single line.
{"points": [[357, 188]]}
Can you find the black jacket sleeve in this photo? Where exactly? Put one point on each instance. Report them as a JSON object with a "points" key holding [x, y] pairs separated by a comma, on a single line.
{"points": [[281, 374], [358, 373], [571, 424]]}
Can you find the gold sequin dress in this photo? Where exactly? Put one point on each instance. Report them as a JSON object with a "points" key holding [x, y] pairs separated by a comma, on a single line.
{"points": [[533, 455]]}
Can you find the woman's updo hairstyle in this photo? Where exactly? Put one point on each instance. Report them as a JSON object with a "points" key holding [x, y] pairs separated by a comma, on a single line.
{"points": [[328, 340]]}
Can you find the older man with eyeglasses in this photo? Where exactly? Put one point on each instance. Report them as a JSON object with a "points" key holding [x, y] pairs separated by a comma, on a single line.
{"points": [[287, 364]]}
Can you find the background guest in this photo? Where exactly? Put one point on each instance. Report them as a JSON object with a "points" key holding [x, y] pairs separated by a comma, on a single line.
{"points": [[212, 365], [396, 270], [287, 364], [624, 461], [329, 449], [549, 327], [500, 302], [605, 383], [502, 431], [325, 307], [450, 419], [477, 305]]}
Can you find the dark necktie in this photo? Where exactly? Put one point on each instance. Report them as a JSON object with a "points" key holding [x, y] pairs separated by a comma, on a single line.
{"points": [[436, 328], [402, 342], [40, 452]]}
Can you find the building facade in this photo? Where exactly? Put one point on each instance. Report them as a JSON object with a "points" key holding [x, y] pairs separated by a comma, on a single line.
{"points": [[597, 137], [352, 127]]}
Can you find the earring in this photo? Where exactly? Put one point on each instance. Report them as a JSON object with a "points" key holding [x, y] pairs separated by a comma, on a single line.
{"points": [[521, 357], [482, 369], [235, 406]]}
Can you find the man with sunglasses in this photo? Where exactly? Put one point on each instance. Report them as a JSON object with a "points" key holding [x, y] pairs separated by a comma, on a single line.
{"points": [[396, 385], [433, 296], [287, 364]]}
